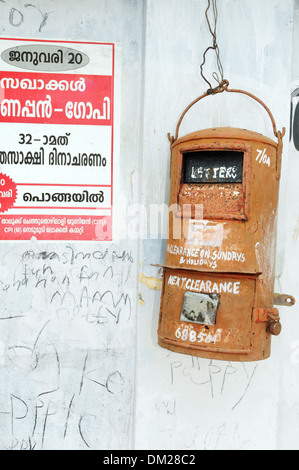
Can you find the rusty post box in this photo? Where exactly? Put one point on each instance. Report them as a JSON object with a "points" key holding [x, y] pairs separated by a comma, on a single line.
{"points": [[218, 276]]}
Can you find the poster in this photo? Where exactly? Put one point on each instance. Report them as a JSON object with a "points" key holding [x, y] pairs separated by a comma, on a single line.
{"points": [[57, 146]]}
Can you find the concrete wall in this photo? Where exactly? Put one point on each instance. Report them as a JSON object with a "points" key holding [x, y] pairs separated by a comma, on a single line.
{"points": [[67, 382]]}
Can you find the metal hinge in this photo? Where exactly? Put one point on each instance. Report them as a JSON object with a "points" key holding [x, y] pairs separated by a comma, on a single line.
{"points": [[284, 300]]}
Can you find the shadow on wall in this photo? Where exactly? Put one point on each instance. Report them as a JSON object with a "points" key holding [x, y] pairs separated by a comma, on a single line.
{"points": [[294, 118]]}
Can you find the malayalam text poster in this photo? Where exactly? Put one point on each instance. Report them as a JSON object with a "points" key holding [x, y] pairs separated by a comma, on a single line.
{"points": [[57, 123]]}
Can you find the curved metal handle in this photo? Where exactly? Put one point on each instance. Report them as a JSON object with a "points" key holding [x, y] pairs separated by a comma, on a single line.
{"points": [[224, 87]]}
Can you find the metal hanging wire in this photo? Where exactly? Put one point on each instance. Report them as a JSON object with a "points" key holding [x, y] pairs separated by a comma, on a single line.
{"points": [[223, 86], [218, 77]]}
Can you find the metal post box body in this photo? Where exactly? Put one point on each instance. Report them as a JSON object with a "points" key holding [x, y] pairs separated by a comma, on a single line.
{"points": [[219, 270]]}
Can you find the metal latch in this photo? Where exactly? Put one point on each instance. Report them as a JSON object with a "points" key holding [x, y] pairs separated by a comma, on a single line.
{"points": [[270, 315]]}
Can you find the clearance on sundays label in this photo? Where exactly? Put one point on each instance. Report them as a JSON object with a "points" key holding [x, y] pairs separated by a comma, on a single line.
{"points": [[57, 121]]}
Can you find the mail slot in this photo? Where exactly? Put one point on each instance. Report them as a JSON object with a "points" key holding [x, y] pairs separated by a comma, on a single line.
{"points": [[218, 275]]}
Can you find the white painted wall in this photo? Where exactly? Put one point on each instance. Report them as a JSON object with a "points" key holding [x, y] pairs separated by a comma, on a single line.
{"points": [[288, 417], [184, 402], [68, 383], [67, 373]]}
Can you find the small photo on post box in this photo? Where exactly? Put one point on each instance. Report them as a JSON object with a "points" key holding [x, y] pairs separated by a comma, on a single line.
{"points": [[200, 308]]}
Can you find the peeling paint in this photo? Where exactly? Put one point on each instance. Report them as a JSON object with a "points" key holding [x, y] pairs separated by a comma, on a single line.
{"points": [[151, 282]]}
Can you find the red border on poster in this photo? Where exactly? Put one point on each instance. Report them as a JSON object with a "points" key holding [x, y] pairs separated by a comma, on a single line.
{"points": [[84, 99]]}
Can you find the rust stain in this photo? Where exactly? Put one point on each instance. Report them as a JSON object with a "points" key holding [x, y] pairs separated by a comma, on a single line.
{"points": [[296, 232], [140, 299]]}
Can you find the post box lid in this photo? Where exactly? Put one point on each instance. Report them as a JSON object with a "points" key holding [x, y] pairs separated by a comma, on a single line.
{"points": [[230, 133]]}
